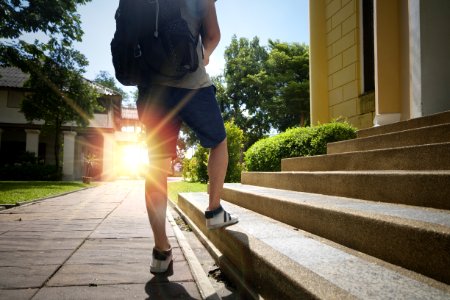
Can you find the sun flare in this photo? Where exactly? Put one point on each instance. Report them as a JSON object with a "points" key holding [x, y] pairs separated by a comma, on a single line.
{"points": [[134, 158]]}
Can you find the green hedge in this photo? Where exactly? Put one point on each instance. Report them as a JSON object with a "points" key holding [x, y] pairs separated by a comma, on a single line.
{"points": [[196, 168], [28, 167], [29, 171], [266, 154]]}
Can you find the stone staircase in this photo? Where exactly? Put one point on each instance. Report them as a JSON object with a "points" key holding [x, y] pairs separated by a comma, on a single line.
{"points": [[369, 220]]}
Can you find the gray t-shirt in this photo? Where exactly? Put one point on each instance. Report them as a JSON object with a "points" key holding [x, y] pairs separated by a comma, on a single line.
{"points": [[193, 13]]}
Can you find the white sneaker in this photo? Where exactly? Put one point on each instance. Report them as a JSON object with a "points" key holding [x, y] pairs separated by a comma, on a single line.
{"points": [[219, 218], [160, 260]]}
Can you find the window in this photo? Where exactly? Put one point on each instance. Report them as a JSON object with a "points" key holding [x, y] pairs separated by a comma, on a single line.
{"points": [[368, 46]]}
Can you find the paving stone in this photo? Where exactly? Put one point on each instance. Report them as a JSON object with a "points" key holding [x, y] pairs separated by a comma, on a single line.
{"points": [[115, 274], [93, 244], [171, 290], [25, 277], [33, 258], [12, 244], [5, 227], [17, 294], [73, 234], [8, 218], [122, 228], [59, 216], [55, 225], [118, 251]]}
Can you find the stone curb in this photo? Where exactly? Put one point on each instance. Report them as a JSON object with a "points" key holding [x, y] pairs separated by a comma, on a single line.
{"points": [[205, 287], [221, 261]]}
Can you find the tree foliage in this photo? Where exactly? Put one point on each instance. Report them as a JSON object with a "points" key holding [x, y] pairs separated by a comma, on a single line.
{"points": [[244, 98], [196, 168], [287, 78], [59, 92], [264, 88], [57, 19], [107, 80]]}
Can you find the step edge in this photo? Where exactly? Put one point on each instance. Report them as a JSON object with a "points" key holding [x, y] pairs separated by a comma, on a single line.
{"points": [[379, 217], [408, 273], [298, 283], [218, 257], [387, 240], [408, 122], [390, 134]]}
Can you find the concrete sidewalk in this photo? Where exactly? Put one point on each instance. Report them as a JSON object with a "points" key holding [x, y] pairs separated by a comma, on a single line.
{"points": [[92, 244]]}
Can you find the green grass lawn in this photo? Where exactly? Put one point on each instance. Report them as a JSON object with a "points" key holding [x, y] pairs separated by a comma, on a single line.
{"points": [[12, 192], [183, 187]]}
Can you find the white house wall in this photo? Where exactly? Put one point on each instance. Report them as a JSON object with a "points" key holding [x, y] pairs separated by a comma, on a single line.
{"points": [[435, 45], [102, 120], [13, 115], [9, 114]]}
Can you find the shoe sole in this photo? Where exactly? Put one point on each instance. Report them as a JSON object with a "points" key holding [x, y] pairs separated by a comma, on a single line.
{"points": [[222, 225]]}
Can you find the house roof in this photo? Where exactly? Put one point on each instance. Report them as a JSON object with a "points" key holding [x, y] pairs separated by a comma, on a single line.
{"points": [[15, 78], [12, 77], [130, 113], [102, 89]]}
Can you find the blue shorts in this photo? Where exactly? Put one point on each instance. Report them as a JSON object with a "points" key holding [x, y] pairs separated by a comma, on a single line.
{"points": [[162, 109]]}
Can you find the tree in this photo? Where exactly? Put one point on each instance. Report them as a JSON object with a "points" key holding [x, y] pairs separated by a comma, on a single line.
{"points": [[287, 77], [59, 92], [244, 96], [55, 18], [264, 89], [107, 80]]}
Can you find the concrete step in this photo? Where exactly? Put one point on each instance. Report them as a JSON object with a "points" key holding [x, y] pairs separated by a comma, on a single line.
{"points": [[431, 120], [418, 188], [420, 136], [412, 237], [282, 262], [424, 157]]}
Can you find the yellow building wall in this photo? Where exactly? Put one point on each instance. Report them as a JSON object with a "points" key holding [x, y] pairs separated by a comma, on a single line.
{"points": [[343, 57], [343, 68]]}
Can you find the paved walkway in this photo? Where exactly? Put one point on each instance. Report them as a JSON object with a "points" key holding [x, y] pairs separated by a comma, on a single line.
{"points": [[92, 244]]}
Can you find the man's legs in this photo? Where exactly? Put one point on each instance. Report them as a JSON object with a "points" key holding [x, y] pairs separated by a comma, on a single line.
{"points": [[156, 200], [215, 215], [217, 169]]}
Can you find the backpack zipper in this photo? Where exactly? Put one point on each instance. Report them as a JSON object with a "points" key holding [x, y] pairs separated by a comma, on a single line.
{"points": [[156, 33]]}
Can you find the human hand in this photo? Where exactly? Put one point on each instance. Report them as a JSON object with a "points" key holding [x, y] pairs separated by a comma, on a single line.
{"points": [[206, 60]]}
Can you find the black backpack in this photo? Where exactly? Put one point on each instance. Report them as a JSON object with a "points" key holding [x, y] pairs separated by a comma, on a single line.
{"points": [[151, 39]]}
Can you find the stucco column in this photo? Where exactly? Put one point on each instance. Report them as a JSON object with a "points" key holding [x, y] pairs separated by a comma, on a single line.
{"points": [[387, 62], [318, 62], [32, 141], [108, 172], [69, 155]]}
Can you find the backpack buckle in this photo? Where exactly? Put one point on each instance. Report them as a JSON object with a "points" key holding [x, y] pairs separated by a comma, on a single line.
{"points": [[137, 51]]}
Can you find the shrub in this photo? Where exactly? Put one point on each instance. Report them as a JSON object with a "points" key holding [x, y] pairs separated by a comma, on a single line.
{"points": [[235, 142], [188, 169], [29, 171], [266, 154], [201, 167], [196, 168], [27, 167]]}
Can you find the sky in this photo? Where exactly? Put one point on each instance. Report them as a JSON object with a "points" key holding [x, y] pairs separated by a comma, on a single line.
{"points": [[284, 20]]}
